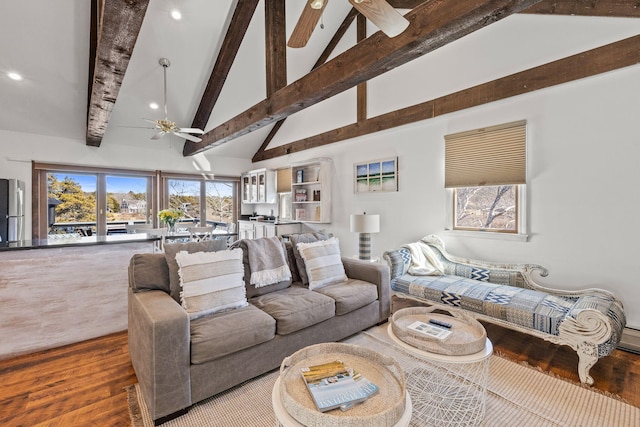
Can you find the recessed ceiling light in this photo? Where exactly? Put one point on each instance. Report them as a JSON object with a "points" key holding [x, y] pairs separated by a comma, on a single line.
{"points": [[14, 76], [175, 14], [154, 106]]}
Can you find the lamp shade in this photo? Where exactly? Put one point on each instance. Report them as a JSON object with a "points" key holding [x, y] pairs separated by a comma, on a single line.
{"points": [[363, 223]]}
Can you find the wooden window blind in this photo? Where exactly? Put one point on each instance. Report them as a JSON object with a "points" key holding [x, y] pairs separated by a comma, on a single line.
{"points": [[495, 155]]}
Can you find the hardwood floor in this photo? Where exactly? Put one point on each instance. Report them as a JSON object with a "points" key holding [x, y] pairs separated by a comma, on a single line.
{"points": [[76, 385], [83, 384]]}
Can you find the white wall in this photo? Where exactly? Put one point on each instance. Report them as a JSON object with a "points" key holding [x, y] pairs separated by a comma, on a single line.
{"points": [[583, 175], [583, 150]]}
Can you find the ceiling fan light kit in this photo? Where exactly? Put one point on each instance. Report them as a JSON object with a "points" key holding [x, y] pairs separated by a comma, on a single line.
{"points": [[165, 126], [379, 12]]}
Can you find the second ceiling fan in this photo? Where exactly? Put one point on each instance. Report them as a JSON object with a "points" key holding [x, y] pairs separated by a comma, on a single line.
{"points": [[379, 12]]}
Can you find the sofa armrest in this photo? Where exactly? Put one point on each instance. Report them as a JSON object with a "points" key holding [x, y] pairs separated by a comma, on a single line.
{"points": [[375, 273], [159, 345]]}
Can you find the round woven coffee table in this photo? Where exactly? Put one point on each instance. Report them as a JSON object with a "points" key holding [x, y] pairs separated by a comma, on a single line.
{"points": [[390, 407], [449, 387]]}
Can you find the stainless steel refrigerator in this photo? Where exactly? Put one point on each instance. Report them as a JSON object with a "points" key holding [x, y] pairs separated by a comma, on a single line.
{"points": [[11, 210]]}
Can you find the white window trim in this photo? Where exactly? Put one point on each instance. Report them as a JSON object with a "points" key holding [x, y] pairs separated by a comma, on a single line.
{"points": [[522, 236]]}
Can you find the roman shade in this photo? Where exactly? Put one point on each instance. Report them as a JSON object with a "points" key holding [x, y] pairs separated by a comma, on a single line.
{"points": [[283, 180], [495, 155]]}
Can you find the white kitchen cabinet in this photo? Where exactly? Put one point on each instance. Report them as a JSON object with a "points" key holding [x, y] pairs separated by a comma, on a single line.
{"points": [[259, 186], [257, 229]]}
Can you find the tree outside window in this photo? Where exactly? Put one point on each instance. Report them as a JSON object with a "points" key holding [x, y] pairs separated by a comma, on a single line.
{"points": [[490, 208]]}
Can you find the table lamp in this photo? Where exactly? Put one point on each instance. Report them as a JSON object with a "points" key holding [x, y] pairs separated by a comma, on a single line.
{"points": [[365, 225]]}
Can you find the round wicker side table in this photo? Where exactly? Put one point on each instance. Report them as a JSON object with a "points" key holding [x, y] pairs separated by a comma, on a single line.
{"points": [[449, 387]]}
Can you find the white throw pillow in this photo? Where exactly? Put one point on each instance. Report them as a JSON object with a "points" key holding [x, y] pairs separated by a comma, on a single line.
{"points": [[323, 263], [211, 282]]}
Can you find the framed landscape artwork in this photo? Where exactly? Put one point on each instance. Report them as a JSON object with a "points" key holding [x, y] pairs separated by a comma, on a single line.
{"points": [[376, 176]]}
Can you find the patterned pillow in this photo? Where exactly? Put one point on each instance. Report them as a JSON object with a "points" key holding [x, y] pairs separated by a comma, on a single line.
{"points": [[170, 251], [323, 263], [211, 282], [304, 238]]}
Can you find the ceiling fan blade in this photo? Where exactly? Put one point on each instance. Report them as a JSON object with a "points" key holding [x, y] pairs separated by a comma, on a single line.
{"points": [[151, 121], [307, 23], [135, 127], [191, 130], [187, 136], [158, 135], [382, 15]]}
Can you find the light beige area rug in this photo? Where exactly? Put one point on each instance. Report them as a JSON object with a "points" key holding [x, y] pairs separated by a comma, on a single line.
{"points": [[517, 395]]}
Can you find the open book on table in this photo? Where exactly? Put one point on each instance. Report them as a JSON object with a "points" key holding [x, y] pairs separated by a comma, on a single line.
{"points": [[334, 385]]}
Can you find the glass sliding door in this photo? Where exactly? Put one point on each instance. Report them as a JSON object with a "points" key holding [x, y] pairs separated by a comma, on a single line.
{"points": [[72, 207], [220, 202], [127, 202], [184, 196]]}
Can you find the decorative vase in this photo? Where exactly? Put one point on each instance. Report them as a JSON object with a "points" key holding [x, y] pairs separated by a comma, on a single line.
{"points": [[172, 228]]}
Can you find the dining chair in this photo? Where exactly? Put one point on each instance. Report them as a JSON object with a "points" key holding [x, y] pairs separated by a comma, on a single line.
{"points": [[158, 245], [200, 234]]}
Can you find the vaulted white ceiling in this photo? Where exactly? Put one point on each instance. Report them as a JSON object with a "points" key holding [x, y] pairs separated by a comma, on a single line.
{"points": [[48, 43]]}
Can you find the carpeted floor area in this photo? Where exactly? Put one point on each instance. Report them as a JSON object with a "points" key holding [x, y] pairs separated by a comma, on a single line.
{"points": [[516, 395]]}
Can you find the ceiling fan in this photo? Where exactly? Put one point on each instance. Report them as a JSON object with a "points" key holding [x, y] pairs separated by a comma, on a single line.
{"points": [[379, 12], [165, 126]]}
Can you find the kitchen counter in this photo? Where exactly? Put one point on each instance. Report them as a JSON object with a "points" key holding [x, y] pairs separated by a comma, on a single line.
{"points": [[73, 240]]}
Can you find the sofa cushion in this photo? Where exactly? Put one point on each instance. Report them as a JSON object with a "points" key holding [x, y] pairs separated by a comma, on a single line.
{"points": [[252, 290], [295, 308], [351, 295], [304, 238], [170, 251], [211, 282], [220, 334], [291, 260], [322, 262], [148, 272]]}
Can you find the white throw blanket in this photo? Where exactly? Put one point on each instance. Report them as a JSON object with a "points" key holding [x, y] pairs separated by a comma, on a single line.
{"points": [[424, 261], [267, 261]]}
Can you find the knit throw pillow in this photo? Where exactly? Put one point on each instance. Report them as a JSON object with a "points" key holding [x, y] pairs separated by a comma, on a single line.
{"points": [[211, 282], [323, 263]]}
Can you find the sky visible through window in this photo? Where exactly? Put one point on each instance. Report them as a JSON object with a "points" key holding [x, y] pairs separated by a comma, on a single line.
{"points": [[120, 184]]}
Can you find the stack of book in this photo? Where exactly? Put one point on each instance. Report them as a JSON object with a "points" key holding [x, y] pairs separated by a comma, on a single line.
{"points": [[333, 385]]}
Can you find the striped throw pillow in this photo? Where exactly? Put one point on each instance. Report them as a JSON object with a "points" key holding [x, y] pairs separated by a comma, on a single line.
{"points": [[323, 263], [211, 282]]}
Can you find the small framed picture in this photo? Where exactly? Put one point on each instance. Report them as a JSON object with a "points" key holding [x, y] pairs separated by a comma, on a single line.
{"points": [[376, 176]]}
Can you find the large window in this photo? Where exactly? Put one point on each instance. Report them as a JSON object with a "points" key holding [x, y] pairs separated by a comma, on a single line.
{"points": [[202, 201], [485, 174], [73, 200], [493, 208], [70, 199]]}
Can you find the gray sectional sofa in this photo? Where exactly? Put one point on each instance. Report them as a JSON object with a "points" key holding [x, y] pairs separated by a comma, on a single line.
{"points": [[590, 321], [180, 361]]}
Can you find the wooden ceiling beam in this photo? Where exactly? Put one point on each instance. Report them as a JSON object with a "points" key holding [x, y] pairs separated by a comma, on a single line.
{"points": [[361, 89], [432, 25], [233, 38], [596, 61], [118, 24], [321, 60], [611, 8], [275, 45]]}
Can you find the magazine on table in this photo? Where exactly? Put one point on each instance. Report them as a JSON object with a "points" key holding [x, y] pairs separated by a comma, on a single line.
{"points": [[430, 330], [333, 385]]}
